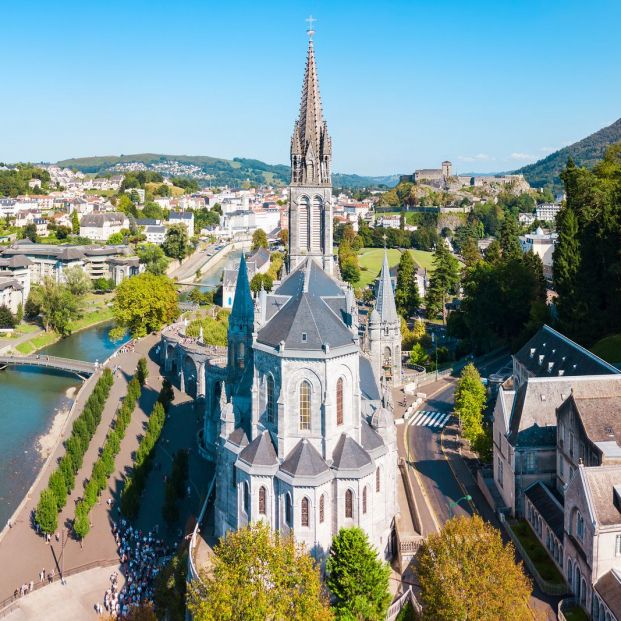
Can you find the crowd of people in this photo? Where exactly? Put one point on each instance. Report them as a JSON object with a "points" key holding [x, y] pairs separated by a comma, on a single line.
{"points": [[142, 555]]}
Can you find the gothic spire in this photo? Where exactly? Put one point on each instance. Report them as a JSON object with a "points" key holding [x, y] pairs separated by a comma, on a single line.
{"points": [[243, 309], [385, 304]]}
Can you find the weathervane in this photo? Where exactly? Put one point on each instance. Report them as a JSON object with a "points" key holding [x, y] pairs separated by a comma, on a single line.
{"points": [[310, 29]]}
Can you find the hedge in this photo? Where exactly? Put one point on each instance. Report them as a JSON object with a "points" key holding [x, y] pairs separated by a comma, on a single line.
{"points": [[104, 466], [175, 486], [136, 481], [62, 480]]}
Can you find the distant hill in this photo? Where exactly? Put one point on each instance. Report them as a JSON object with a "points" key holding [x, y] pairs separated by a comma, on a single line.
{"points": [[586, 152], [214, 170]]}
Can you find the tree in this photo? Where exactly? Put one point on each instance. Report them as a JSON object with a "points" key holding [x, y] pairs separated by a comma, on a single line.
{"points": [[127, 206], [81, 524], [144, 303], [467, 573], [407, 297], [116, 239], [259, 239], [470, 251], [46, 513], [77, 281], [57, 305], [357, 578], [350, 270], [444, 280], [418, 355], [152, 210], [62, 232], [142, 371], [30, 232], [509, 238], [75, 223], [153, 258], [257, 574], [284, 236], [19, 316], [176, 242], [261, 281], [7, 319], [169, 589]]}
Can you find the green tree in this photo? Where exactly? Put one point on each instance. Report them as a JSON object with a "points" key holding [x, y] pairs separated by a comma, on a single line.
{"points": [[357, 578], [81, 524], [127, 206], [153, 258], [46, 513], [444, 280], [19, 316], [7, 319], [77, 281], [509, 238], [259, 574], [144, 303], [75, 223], [152, 210], [407, 297], [284, 237], [58, 306], [467, 573], [176, 243], [169, 590], [116, 239], [259, 239], [261, 280], [30, 232], [142, 371], [418, 355]]}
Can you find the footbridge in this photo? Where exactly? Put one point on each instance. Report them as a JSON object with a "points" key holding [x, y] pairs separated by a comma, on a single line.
{"points": [[79, 367]]}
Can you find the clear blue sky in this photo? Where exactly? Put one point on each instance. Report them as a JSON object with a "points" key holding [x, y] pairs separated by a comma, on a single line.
{"points": [[488, 85]]}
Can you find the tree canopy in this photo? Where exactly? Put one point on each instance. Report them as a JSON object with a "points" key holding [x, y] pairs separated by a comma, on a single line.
{"points": [[357, 578], [467, 573], [407, 297], [444, 280], [153, 258], [259, 239], [145, 303], [259, 574], [77, 280], [176, 243]]}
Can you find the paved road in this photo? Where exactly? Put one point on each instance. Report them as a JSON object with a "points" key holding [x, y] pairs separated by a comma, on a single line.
{"points": [[187, 269]]}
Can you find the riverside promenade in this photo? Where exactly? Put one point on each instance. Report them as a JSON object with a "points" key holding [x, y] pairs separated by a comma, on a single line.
{"points": [[23, 553]]}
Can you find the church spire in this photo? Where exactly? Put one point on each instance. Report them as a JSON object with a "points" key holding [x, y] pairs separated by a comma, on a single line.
{"points": [[243, 309], [385, 305]]}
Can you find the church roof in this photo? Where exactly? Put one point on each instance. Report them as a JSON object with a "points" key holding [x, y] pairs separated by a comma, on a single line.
{"points": [[304, 460], [368, 382], [238, 437], [369, 438], [385, 305], [349, 455], [307, 319], [243, 309], [260, 452]]}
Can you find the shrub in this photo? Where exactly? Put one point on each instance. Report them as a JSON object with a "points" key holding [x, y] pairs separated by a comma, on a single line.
{"points": [[46, 513]]}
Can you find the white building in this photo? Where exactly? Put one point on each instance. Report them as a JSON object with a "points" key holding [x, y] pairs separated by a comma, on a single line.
{"points": [[547, 212], [542, 244], [183, 217], [99, 226], [155, 234]]}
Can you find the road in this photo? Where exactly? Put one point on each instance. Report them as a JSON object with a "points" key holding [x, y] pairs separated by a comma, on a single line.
{"points": [[429, 441], [188, 268]]}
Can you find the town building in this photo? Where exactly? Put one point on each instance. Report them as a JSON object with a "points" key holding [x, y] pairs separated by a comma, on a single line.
{"points": [[183, 217], [542, 244], [256, 263], [155, 233], [100, 226], [547, 212]]}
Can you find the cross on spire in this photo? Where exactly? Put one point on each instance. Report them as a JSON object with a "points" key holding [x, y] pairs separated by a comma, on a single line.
{"points": [[385, 237], [310, 30]]}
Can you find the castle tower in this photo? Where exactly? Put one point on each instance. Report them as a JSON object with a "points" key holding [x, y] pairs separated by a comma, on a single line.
{"points": [[384, 331], [310, 190]]}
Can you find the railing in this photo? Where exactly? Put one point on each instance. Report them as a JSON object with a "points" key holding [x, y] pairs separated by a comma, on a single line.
{"points": [[52, 362], [550, 588], [193, 570], [569, 602], [9, 604], [397, 606]]}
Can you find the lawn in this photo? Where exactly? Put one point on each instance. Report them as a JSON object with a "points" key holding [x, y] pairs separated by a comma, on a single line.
{"points": [[370, 261], [537, 553], [608, 348]]}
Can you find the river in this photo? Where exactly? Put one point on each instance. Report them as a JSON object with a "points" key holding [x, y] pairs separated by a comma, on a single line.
{"points": [[211, 279], [29, 400]]}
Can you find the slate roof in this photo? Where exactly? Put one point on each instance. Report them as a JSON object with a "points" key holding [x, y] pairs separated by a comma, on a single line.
{"points": [[260, 452], [259, 257], [243, 308], [548, 506], [609, 589], [368, 382], [318, 281], [99, 219], [238, 437], [549, 347], [15, 261], [349, 455], [304, 460], [385, 305], [598, 483], [369, 438]]}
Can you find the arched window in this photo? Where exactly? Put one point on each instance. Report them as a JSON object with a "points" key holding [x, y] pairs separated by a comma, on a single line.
{"points": [[305, 511], [288, 509], [364, 500], [349, 504], [271, 404], [305, 405], [579, 526], [322, 503], [339, 401], [304, 221], [377, 480], [262, 500], [246, 498]]}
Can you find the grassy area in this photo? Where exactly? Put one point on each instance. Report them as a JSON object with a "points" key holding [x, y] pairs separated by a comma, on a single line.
{"points": [[537, 553], [370, 260], [37, 342], [608, 348], [423, 258]]}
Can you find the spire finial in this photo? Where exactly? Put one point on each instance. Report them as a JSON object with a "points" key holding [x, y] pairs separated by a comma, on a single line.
{"points": [[310, 30], [385, 237]]}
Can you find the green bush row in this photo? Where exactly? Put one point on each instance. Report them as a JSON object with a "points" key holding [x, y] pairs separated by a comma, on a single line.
{"points": [[104, 466], [62, 480], [136, 481], [175, 487]]}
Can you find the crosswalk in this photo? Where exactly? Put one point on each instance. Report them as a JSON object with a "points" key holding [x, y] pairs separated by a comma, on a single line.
{"points": [[433, 420]]}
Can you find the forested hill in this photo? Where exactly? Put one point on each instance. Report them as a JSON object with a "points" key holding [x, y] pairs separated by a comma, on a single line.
{"points": [[213, 170], [586, 152]]}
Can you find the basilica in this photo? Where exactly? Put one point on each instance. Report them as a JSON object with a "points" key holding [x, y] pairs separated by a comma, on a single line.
{"points": [[298, 418]]}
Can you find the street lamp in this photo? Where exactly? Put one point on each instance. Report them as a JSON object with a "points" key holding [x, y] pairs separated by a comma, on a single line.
{"points": [[454, 503]]}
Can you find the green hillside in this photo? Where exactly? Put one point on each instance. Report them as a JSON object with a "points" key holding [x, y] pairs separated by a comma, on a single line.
{"points": [[221, 171], [586, 152]]}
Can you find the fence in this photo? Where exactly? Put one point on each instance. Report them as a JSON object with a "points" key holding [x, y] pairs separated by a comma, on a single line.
{"points": [[397, 606], [11, 603], [550, 588]]}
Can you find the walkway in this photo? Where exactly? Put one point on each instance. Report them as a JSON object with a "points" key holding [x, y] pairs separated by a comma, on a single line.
{"points": [[51, 362]]}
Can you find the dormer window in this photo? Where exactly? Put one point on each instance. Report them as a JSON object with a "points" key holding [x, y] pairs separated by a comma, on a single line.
{"points": [[541, 359], [532, 352], [304, 337], [550, 366]]}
